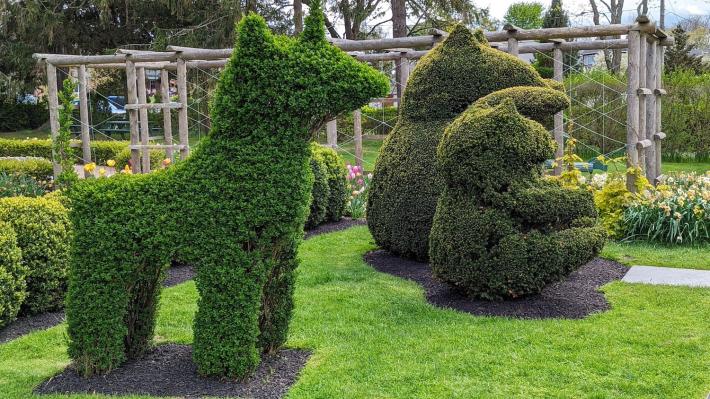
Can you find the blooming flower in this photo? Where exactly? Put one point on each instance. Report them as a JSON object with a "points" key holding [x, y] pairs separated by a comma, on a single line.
{"points": [[89, 167], [111, 163]]}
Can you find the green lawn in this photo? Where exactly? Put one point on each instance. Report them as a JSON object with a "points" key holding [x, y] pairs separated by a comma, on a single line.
{"points": [[374, 336], [26, 134], [698, 167], [648, 254]]}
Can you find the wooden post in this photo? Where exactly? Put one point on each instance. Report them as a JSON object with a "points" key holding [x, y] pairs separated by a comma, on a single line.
{"points": [[143, 112], [642, 98], [133, 114], [331, 129], [403, 72], [658, 92], [651, 49], [559, 117], [84, 114], [357, 129], [512, 41], [182, 114], [632, 117], [167, 120], [53, 114]]}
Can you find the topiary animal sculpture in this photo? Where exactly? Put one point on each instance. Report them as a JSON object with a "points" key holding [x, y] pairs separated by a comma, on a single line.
{"points": [[235, 209], [405, 187], [500, 230]]}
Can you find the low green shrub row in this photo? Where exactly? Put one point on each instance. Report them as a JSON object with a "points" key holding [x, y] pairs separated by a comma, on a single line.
{"points": [[156, 157], [329, 192], [37, 168], [36, 281], [101, 151]]}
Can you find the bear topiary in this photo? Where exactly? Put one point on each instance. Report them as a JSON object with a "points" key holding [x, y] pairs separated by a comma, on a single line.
{"points": [[12, 275], [234, 209], [44, 236], [405, 187], [500, 230]]}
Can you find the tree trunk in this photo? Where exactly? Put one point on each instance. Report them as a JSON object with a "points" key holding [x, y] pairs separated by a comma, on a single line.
{"points": [[298, 16]]}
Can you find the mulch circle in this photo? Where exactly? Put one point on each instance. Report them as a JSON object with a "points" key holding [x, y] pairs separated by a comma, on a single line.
{"points": [[169, 371], [575, 297], [177, 274]]}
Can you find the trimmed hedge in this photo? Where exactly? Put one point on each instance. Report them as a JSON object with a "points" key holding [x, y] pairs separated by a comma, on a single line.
{"points": [[235, 209], [43, 234], [320, 193], [404, 191], [156, 158], [337, 181], [500, 231], [12, 275], [101, 151], [37, 168], [536, 103]]}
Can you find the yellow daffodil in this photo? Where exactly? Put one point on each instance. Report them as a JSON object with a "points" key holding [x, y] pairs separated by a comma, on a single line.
{"points": [[111, 163], [102, 172]]}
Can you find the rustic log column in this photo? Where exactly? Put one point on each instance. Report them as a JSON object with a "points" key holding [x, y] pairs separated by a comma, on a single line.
{"points": [[133, 115], [403, 72], [53, 100], [167, 119], [632, 117], [658, 92], [182, 114], [144, 125], [331, 130], [512, 41], [559, 117], [652, 84], [357, 129], [642, 93], [84, 114]]}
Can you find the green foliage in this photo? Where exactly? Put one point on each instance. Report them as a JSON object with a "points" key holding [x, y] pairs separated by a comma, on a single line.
{"points": [[18, 116], [101, 151], [235, 209], [37, 168], [525, 15], [43, 235], [61, 145], [679, 58], [123, 158], [337, 189], [320, 193], [499, 230], [536, 103], [405, 187], [12, 275], [14, 185], [555, 17]]}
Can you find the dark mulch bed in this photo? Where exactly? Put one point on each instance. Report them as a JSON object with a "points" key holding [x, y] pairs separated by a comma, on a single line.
{"points": [[169, 371], [572, 298], [342, 224], [178, 274]]}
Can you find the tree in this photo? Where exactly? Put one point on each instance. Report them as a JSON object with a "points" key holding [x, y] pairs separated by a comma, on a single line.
{"points": [[679, 57], [443, 14], [615, 8], [555, 17], [524, 15]]}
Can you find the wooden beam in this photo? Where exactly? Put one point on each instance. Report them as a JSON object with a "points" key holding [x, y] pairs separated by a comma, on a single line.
{"points": [[132, 98], [157, 146], [182, 113], [84, 114], [167, 119], [144, 122], [357, 130], [632, 116], [558, 129], [53, 100]]}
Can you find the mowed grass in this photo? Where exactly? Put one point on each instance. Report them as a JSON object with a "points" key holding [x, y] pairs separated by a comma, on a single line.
{"points": [[370, 150], [698, 167], [649, 254], [374, 336]]}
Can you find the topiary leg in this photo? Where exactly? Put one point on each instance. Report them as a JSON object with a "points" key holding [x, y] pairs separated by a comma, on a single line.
{"points": [[230, 283], [277, 301]]}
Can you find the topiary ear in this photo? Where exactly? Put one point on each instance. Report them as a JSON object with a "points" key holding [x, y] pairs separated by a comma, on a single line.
{"points": [[314, 27], [253, 34], [461, 36]]}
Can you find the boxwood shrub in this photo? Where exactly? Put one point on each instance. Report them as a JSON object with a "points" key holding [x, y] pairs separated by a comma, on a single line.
{"points": [[320, 193], [235, 209], [156, 157], [12, 275], [337, 182], [405, 187], [101, 151], [37, 168], [43, 234], [500, 231]]}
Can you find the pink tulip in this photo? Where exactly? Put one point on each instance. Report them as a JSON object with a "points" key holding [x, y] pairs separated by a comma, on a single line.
{"points": [[360, 182]]}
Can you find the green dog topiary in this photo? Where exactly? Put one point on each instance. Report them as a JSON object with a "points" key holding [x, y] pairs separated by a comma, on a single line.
{"points": [[500, 231], [456, 73], [12, 275], [235, 209]]}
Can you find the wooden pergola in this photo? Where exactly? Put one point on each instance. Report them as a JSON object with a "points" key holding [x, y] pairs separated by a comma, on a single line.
{"points": [[645, 44]]}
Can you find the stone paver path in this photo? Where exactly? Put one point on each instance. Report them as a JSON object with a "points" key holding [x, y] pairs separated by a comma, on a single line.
{"points": [[667, 276]]}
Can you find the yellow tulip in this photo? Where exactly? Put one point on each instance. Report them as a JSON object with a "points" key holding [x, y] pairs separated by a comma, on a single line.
{"points": [[111, 163]]}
